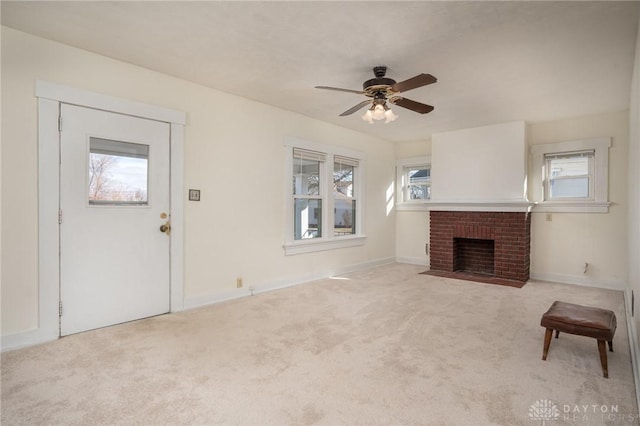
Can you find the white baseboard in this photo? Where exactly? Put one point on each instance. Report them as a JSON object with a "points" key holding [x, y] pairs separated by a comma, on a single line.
{"points": [[422, 261], [25, 338], [633, 343], [37, 336], [209, 299], [578, 280]]}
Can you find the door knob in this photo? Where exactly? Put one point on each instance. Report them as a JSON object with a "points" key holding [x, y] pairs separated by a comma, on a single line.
{"points": [[166, 228]]}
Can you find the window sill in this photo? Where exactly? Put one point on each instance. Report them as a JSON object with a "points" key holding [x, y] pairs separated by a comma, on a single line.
{"points": [[412, 206], [301, 247], [571, 207]]}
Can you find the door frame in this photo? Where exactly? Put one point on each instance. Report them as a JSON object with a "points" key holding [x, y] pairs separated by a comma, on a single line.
{"points": [[50, 96]]}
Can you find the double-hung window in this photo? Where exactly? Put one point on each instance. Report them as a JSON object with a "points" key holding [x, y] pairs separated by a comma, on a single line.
{"points": [[308, 174], [413, 179], [418, 185], [323, 197], [571, 176], [344, 198]]}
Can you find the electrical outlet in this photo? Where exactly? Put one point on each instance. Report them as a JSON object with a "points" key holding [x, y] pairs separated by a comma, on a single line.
{"points": [[426, 249], [239, 282], [549, 217]]}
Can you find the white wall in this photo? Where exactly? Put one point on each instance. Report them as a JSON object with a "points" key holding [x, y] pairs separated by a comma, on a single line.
{"points": [[233, 154], [560, 247], [492, 157]]}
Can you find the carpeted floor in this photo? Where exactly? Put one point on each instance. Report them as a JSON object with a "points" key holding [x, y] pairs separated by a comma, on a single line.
{"points": [[381, 346]]}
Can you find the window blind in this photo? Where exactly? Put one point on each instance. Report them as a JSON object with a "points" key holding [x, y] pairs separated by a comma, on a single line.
{"points": [[575, 154], [117, 148], [305, 154], [347, 161]]}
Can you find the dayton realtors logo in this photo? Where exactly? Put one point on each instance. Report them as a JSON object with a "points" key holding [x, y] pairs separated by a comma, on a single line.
{"points": [[597, 413], [544, 410]]}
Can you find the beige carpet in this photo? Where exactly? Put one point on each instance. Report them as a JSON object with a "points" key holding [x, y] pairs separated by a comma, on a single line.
{"points": [[381, 346]]}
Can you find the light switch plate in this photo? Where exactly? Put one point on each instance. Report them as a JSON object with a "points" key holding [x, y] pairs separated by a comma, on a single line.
{"points": [[194, 195]]}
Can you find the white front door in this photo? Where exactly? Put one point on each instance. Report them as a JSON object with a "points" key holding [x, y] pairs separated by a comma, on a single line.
{"points": [[114, 197]]}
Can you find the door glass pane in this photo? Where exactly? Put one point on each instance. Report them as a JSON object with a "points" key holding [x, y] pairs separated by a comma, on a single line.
{"points": [[118, 172], [307, 219]]}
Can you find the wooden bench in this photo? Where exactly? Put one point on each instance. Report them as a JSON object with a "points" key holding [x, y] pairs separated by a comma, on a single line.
{"points": [[582, 321]]}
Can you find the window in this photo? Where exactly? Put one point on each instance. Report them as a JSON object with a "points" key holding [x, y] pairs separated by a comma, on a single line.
{"points": [[344, 199], [324, 197], [418, 183], [413, 176], [118, 172], [307, 202], [571, 176]]}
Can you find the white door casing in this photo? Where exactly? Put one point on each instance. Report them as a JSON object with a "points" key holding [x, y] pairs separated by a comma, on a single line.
{"points": [[50, 97], [114, 260]]}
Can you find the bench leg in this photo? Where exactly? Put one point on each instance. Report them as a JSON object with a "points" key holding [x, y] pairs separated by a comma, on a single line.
{"points": [[547, 343], [603, 357], [610, 346], [557, 333]]}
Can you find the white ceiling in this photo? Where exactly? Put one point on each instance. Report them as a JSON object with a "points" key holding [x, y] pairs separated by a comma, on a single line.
{"points": [[495, 61]]}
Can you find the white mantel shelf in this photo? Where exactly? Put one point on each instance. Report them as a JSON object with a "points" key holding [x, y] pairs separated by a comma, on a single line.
{"points": [[468, 206]]}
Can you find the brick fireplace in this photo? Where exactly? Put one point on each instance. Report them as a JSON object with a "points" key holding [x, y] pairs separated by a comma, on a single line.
{"points": [[493, 245]]}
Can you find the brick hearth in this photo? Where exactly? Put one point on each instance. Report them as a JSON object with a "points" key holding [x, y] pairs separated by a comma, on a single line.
{"points": [[506, 234]]}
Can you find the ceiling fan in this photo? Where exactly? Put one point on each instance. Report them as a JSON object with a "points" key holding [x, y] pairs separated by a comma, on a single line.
{"points": [[383, 90]]}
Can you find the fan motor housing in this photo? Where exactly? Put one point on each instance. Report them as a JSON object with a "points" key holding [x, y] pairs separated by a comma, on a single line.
{"points": [[380, 84], [382, 81]]}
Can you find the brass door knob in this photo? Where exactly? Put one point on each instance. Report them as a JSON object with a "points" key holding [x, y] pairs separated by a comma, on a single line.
{"points": [[166, 228]]}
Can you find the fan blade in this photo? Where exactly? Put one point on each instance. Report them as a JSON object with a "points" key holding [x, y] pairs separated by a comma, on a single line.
{"points": [[414, 82], [413, 105], [355, 108], [337, 89]]}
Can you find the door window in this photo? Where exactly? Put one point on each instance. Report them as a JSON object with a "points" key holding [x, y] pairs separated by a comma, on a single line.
{"points": [[118, 172]]}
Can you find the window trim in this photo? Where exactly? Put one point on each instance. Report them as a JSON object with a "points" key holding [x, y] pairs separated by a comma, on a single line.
{"points": [[401, 203], [599, 203], [328, 241]]}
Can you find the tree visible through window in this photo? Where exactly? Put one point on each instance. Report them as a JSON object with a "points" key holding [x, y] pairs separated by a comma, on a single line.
{"points": [[118, 172], [325, 195], [418, 180]]}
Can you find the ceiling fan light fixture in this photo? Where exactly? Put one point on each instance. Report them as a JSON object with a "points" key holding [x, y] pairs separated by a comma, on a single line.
{"points": [[384, 90], [378, 112], [368, 116], [390, 116]]}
